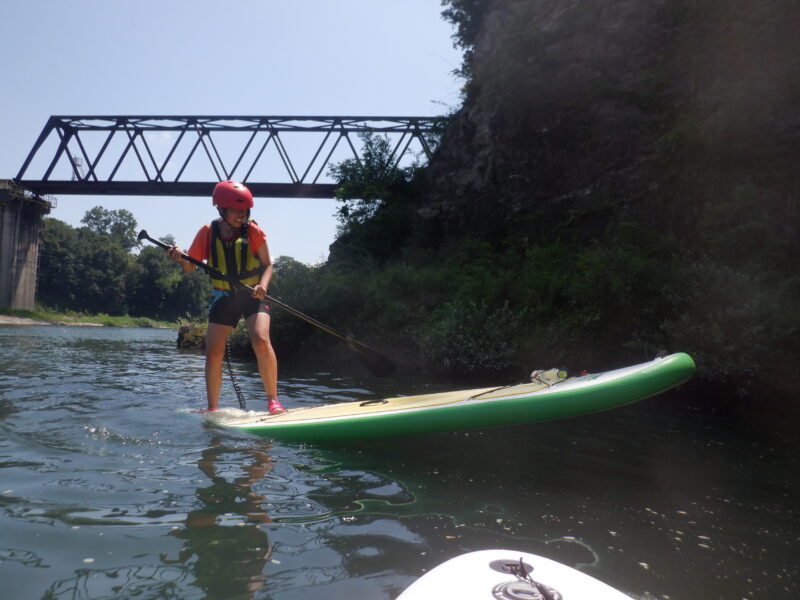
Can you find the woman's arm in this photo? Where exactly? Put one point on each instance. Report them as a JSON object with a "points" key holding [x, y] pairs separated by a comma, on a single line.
{"points": [[260, 290], [175, 254]]}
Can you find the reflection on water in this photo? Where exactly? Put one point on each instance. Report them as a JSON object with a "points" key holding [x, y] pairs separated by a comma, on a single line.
{"points": [[222, 538], [108, 490], [224, 550]]}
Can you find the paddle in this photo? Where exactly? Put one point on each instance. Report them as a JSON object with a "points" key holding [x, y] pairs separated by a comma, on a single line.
{"points": [[374, 361]]}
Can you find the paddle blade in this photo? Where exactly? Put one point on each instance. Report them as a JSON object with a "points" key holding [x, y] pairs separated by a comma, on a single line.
{"points": [[374, 361]]}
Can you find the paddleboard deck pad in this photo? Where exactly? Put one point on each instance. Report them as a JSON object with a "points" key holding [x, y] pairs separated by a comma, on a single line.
{"points": [[508, 575], [539, 400]]}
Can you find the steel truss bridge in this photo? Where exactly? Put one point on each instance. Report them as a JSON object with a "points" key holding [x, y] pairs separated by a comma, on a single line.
{"points": [[279, 157]]}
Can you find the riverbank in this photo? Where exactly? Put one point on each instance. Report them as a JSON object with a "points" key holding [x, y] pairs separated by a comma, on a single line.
{"points": [[12, 320], [27, 317]]}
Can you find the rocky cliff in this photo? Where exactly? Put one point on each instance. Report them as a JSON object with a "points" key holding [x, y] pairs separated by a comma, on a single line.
{"points": [[576, 105], [621, 178], [679, 118]]}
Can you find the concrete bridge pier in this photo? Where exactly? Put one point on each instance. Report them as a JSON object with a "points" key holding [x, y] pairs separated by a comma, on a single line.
{"points": [[21, 214]]}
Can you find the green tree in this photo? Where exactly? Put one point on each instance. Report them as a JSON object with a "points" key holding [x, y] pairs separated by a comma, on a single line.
{"points": [[82, 270], [58, 266], [101, 278], [468, 17], [119, 225], [366, 184], [89, 269], [158, 288]]}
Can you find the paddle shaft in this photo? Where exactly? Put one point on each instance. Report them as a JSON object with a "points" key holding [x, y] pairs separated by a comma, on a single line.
{"points": [[374, 361]]}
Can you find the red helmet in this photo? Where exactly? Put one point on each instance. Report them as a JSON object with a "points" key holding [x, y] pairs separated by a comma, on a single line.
{"points": [[232, 194]]}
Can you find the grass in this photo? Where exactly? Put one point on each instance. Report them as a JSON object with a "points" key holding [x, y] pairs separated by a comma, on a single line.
{"points": [[71, 318]]}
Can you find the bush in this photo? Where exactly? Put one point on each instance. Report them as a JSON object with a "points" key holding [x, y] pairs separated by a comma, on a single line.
{"points": [[465, 336], [192, 334]]}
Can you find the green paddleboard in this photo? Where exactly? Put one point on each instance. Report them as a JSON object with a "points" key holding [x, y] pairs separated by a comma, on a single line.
{"points": [[541, 400]]}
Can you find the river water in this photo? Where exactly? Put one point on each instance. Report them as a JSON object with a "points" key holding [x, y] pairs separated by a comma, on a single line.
{"points": [[108, 490]]}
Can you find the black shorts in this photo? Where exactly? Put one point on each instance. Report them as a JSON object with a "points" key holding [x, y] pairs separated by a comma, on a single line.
{"points": [[227, 310]]}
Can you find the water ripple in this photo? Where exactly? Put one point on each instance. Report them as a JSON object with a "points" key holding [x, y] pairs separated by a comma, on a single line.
{"points": [[120, 494]]}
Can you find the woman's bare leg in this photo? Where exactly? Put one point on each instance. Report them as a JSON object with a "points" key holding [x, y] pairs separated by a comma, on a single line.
{"points": [[258, 326], [216, 337]]}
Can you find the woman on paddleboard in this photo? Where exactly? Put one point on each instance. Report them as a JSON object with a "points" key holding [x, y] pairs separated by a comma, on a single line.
{"points": [[236, 246]]}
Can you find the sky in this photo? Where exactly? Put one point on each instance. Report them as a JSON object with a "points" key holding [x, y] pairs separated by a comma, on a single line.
{"points": [[231, 57]]}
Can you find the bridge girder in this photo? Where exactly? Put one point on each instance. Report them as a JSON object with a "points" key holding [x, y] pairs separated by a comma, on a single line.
{"points": [[188, 155]]}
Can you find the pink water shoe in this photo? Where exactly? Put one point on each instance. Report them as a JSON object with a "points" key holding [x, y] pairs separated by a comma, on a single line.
{"points": [[274, 406]]}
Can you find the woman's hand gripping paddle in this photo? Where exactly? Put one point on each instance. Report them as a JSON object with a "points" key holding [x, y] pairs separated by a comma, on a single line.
{"points": [[374, 361]]}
